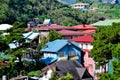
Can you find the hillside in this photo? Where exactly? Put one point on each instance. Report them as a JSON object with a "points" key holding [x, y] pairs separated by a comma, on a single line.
{"points": [[25, 10]]}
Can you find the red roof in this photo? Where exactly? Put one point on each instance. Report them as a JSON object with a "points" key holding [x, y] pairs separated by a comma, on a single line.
{"points": [[70, 33], [84, 26], [88, 31], [54, 27], [83, 39]]}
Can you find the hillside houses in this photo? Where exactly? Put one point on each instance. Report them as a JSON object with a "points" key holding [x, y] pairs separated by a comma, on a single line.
{"points": [[60, 49], [80, 5], [68, 32]]}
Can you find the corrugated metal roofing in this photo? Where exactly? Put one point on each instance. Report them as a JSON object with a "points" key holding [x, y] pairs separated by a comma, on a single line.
{"points": [[70, 33], [56, 45], [29, 37], [83, 39], [106, 22], [84, 26]]}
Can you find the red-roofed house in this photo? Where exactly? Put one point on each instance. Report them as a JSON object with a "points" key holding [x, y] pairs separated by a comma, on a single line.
{"points": [[66, 31], [44, 29], [84, 42], [69, 34]]}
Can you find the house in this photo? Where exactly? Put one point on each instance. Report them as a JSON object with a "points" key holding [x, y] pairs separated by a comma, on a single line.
{"points": [[31, 37], [89, 63], [83, 27], [69, 34], [4, 27], [66, 31], [84, 42], [47, 22], [61, 50], [34, 22], [80, 5], [63, 67], [44, 29]]}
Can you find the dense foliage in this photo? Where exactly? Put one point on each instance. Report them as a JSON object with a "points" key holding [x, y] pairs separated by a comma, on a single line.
{"points": [[106, 47], [25, 10], [3, 42], [115, 75], [106, 43]]}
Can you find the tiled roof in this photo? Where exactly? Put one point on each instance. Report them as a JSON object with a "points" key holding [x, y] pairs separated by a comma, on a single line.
{"points": [[88, 31], [53, 27], [56, 45], [83, 39], [69, 32], [84, 26]]}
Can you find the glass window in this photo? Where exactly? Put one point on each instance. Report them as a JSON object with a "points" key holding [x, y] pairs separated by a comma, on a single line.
{"points": [[61, 54], [72, 53]]}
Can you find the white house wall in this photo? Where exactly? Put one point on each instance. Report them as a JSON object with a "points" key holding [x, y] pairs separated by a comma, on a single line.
{"points": [[86, 46]]}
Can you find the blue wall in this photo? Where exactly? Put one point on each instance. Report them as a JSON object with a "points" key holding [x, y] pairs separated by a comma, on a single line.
{"points": [[68, 48]]}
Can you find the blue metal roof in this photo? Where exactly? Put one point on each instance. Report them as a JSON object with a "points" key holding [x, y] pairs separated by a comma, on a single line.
{"points": [[56, 45], [48, 60]]}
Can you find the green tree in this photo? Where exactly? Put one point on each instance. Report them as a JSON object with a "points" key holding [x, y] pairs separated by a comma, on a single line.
{"points": [[53, 35], [15, 36], [107, 46], [68, 76], [115, 75], [3, 42], [54, 76]]}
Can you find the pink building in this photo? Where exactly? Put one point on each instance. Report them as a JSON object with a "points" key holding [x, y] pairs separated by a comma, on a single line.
{"points": [[85, 44], [89, 62]]}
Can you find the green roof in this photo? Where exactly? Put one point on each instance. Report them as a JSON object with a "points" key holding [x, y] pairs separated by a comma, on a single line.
{"points": [[3, 56], [106, 22]]}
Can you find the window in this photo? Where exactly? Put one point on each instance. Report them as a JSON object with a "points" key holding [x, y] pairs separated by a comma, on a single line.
{"points": [[61, 54], [72, 53], [86, 45]]}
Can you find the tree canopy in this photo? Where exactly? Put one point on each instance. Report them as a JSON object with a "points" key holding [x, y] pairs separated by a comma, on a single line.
{"points": [[106, 43], [53, 35], [25, 10]]}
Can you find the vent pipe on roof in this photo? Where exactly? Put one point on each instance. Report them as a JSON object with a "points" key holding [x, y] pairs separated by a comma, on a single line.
{"points": [[84, 25]]}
